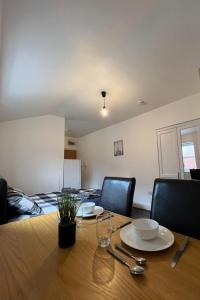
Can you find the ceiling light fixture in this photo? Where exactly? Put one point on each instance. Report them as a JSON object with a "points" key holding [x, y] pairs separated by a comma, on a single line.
{"points": [[104, 111]]}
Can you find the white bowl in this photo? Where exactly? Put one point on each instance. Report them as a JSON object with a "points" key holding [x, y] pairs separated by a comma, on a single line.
{"points": [[88, 207], [146, 229]]}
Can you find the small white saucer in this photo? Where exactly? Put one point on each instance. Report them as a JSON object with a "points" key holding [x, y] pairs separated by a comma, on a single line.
{"points": [[164, 239], [97, 210]]}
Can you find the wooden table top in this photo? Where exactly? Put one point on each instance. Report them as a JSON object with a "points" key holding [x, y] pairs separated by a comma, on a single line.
{"points": [[32, 266]]}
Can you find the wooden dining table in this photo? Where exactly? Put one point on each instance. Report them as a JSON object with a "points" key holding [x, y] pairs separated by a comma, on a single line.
{"points": [[32, 266]]}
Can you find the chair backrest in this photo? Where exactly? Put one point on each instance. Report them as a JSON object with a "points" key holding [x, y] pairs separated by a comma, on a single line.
{"points": [[176, 205], [195, 174], [117, 194], [3, 201]]}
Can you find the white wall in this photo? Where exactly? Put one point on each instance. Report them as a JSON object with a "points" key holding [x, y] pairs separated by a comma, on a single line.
{"points": [[140, 158], [31, 153]]}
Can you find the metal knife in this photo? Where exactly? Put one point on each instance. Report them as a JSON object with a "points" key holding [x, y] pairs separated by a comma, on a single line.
{"points": [[122, 225], [179, 252], [108, 217]]}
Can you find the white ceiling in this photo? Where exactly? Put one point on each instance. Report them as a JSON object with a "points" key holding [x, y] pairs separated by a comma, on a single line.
{"points": [[56, 57]]}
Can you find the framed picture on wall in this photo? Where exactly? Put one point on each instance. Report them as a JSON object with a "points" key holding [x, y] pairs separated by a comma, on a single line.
{"points": [[118, 148]]}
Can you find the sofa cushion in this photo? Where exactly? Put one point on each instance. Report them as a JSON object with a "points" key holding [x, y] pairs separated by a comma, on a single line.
{"points": [[20, 203], [3, 201]]}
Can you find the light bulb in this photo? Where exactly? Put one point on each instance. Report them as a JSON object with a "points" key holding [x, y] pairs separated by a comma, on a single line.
{"points": [[104, 112]]}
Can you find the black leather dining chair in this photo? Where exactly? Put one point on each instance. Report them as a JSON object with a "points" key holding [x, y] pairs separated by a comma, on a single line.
{"points": [[195, 174], [176, 205], [117, 195]]}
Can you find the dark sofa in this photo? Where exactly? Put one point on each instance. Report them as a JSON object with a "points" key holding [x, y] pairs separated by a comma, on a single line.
{"points": [[7, 213], [3, 201], [12, 210]]}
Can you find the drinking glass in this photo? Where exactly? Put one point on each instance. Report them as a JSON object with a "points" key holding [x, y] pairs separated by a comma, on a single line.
{"points": [[80, 200], [103, 229]]}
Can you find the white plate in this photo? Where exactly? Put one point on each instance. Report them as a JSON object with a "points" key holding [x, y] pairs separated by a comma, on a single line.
{"points": [[164, 240], [97, 210]]}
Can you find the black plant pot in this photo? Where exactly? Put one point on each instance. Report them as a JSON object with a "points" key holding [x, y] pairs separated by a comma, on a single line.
{"points": [[66, 235]]}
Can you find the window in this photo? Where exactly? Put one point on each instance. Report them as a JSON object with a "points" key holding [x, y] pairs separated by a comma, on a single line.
{"points": [[189, 159]]}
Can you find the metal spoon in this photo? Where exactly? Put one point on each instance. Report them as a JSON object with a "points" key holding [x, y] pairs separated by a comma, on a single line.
{"points": [[139, 260], [134, 269]]}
